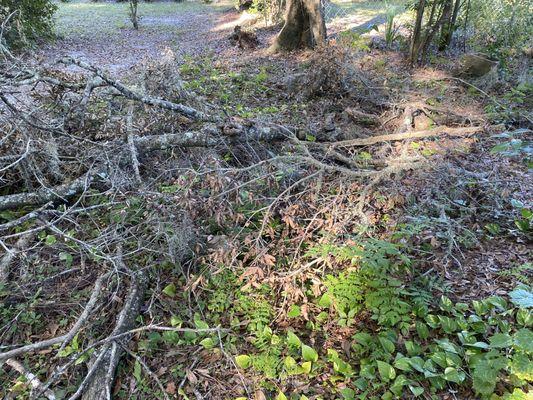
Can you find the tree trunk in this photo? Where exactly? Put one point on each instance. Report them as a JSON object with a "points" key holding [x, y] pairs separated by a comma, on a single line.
{"points": [[448, 24], [417, 33], [304, 26]]}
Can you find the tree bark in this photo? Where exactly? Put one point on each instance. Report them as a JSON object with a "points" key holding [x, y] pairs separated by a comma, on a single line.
{"points": [[304, 26], [449, 27], [416, 39]]}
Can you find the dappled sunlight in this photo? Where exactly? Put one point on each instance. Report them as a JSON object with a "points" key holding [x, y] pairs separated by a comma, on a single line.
{"points": [[242, 19]]}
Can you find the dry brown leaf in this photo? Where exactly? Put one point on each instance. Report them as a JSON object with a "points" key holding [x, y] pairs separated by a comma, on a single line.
{"points": [[171, 388], [269, 260], [193, 380]]}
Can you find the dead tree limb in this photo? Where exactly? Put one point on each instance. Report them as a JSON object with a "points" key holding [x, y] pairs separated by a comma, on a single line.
{"points": [[99, 386], [442, 130], [34, 382], [45, 195], [130, 94]]}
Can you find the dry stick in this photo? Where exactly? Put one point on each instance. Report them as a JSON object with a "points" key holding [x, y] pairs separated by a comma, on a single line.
{"points": [[63, 338], [98, 385], [146, 143], [60, 370], [86, 311], [408, 135], [148, 371], [89, 377], [30, 348], [130, 94], [8, 258], [19, 159], [32, 379], [231, 359], [110, 374], [131, 144], [45, 195], [31, 215]]}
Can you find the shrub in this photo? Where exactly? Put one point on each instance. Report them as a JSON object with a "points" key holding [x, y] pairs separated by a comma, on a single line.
{"points": [[502, 25], [25, 21]]}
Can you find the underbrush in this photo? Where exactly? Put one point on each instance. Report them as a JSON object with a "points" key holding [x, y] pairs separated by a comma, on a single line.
{"points": [[373, 329]]}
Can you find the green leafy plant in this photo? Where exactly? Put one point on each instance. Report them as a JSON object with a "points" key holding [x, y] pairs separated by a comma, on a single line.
{"points": [[26, 21], [369, 283]]}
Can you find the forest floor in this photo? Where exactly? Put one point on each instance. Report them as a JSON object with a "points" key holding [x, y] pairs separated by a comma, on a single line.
{"points": [[457, 214]]}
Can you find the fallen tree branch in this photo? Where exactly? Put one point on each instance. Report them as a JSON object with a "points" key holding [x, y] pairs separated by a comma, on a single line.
{"points": [[441, 130], [86, 311], [31, 215], [99, 386], [35, 383], [45, 195], [130, 94]]}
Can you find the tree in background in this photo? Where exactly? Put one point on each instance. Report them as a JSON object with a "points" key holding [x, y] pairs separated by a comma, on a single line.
{"points": [[25, 21], [134, 4], [304, 26], [439, 24]]}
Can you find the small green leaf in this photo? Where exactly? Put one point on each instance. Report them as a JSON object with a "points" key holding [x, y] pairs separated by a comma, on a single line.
{"points": [[500, 340], [522, 298], [403, 364], [416, 390], [289, 363], [281, 396], [524, 317], [387, 345], [309, 354], [523, 340], [453, 375], [422, 330], [137, 371], [243, 361], [347, 394], [293, 340], [208, 343], [294, 311], [478, 345], [66, 257], [306, 367], [417, 363], [175, 321], [50, 240], [201, 324], [170, 290], [386, 371], [325, 301]]}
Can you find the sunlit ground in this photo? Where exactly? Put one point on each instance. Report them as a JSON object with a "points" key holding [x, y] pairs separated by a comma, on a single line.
{"points": [[82, 18], [362, 15]]}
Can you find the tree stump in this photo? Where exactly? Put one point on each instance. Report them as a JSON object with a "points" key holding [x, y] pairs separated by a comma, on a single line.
{"points": [[304, 26]]}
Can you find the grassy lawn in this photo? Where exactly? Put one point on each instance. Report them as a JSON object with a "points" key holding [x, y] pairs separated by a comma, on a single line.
{"points": [[81, 18]]}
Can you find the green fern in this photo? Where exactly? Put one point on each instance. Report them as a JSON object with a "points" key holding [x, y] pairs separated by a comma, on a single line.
{"points": [[370, 283], [522, 273]]}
